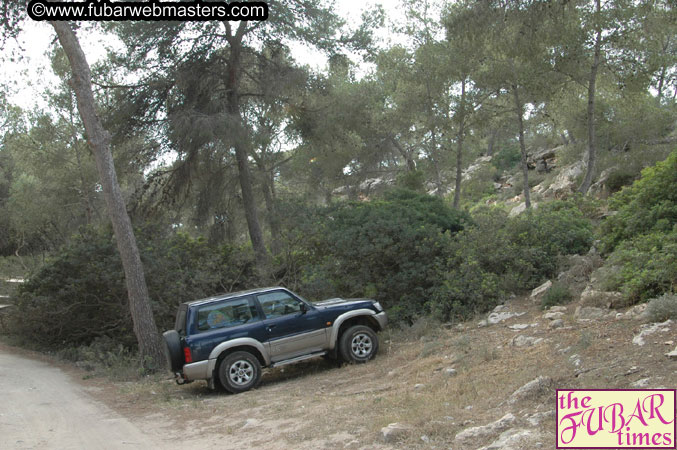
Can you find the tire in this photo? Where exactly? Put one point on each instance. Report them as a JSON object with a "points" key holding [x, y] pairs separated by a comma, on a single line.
{"points": [[358, 344], [174, 351], [239, 372]]}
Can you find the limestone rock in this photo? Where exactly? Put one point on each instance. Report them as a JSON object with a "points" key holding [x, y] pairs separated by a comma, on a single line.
{"points": [[534, 388], [395, 431], [540, 289], [557, 323], [553, 315], [525, 341], [672, 354], [486, 430], [497, 317], [649, 329]]}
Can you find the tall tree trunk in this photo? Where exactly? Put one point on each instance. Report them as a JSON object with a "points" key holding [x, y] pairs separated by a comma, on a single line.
{"points": [[492, 142], [273, 219], [151, 346], [519, 109], [459, 147], [592, 138], [242, 156]]}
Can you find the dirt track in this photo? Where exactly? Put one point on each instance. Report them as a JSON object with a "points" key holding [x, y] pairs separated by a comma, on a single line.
{"points": [[43, 408]]}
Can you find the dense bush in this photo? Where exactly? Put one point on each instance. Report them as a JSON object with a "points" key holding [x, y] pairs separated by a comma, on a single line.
{"points": [[390, 249], [498, 254], [649, 205], [641, 238], [643, 267], [80, 294]]}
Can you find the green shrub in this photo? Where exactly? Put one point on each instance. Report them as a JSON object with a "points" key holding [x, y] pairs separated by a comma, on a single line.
{"points": [[497, 254], [649, 205], [557, 294], [662, 308], [643, 267], [390, 249]]}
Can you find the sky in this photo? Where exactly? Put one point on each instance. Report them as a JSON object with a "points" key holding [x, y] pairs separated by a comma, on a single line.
{"points": [[29, 77]]}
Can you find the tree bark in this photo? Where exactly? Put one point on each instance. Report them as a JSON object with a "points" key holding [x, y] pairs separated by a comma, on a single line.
{"points": [[242, 156], [273, 219], [519, 109], [592, 138], [492, 142], [151, 346], [459, 148]]}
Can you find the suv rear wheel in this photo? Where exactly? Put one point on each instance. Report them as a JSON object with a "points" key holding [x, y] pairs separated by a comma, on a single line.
{"points": [[239, 372], [358, 344]]}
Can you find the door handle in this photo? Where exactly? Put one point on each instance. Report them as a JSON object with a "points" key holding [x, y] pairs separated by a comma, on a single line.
{"points": [[270, 327]]}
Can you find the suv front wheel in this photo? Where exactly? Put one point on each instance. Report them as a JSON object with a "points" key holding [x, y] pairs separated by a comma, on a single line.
{"points": [[358, 344], [239, 372]]}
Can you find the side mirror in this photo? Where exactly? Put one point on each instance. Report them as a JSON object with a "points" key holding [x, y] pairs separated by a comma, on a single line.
{"points": [[304, 308]]}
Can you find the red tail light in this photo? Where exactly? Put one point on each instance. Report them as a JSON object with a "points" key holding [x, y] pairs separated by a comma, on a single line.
{"points": [[187, 356]]}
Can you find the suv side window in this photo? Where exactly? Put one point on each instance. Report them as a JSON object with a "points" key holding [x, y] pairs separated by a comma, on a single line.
{"points": [[277, 304], [227, 314]]}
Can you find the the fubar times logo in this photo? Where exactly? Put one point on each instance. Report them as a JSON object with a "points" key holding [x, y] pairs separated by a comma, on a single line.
{"points": [[621, 418]]}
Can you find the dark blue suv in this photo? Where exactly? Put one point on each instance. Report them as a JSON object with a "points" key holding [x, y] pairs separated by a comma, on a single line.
{"points": [[227, 339]]}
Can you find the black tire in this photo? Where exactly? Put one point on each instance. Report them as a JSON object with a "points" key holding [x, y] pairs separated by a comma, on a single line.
{"points": [[239, 372], [174, 351], [358, 344]]}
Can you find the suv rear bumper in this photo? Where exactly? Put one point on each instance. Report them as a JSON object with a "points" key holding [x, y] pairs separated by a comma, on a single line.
{"points": [[197, 370]]}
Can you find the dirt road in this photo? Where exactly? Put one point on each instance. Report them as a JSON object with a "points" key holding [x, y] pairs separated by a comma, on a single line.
{"points": [[43, 408]]}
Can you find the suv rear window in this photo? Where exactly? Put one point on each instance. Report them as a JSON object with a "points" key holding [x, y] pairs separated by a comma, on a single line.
{"points": [[227, 314]]}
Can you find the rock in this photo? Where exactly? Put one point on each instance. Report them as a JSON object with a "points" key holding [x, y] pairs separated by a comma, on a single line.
{"points": [[535, 387], [600, 185], [475, 167], [482, 323], [575, 360], [672, 354], [589, 313], [497, 317], [251, 423], [395, 431], [540, 289], [519, 209], [557, 323], [644, 382], [607, 299], [500, 308], [536, 418], [557, 308], [419, 386], [450, 371], [519, 326], [637, 312], [649, 329], [525, 341], [512, 439], [553, 315], [564, 183], [486, 430]]}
